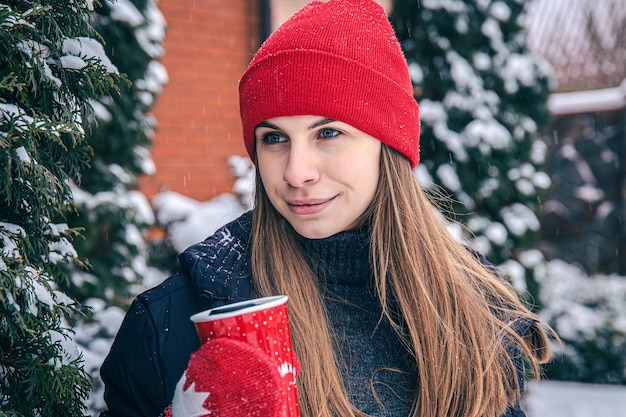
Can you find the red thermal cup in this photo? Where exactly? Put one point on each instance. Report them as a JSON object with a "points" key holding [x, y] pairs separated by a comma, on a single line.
{"points": [[261, 322]]}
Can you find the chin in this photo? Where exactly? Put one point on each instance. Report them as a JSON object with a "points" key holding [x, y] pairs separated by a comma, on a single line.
{"points": [[315, 233]]}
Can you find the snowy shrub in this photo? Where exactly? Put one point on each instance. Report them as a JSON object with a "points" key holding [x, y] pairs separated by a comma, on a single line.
{"points": [[589, 314], [52, 67], [114, 216], [187, 221], [482, 99]]}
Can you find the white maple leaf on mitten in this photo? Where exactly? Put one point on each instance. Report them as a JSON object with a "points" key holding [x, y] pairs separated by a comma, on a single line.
{"points": [[189, 402]]}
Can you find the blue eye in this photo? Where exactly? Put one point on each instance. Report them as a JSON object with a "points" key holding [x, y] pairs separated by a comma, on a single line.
{"points": [[327, 133], [271, 138]]}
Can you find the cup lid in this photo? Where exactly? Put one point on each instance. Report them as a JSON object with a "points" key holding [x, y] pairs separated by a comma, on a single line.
{"points": [[239, 308]]}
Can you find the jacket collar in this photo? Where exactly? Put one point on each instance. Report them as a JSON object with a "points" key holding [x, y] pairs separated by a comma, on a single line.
{"points": [[219, 266]]}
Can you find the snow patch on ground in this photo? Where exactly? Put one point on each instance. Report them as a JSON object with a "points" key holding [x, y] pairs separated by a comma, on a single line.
{"points": [[573, 399]]}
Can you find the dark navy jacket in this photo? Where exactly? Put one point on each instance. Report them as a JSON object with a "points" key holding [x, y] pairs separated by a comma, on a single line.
{"points": [[154, 344], [156, 339]]}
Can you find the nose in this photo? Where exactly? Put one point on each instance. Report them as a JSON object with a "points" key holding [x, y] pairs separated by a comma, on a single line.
{"points": [[301, 166]]}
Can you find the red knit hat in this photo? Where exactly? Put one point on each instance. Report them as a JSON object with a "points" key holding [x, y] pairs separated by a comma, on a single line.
{"points": [[338, 59]]}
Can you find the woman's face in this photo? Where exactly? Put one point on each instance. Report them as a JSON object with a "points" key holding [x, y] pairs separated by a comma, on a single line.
{"points": [[320, 174]]}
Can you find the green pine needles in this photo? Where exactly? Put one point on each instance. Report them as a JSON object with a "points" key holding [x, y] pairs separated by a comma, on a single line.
{"points": [[51, 66]]}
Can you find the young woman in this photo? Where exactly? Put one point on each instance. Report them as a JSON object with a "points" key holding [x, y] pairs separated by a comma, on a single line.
{"points": [[390, 315]]}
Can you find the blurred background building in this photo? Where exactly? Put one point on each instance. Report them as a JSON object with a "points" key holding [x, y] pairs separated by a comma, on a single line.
{"points": [[584, 215]]}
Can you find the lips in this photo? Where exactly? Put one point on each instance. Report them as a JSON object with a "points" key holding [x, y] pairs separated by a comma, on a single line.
{"points": [[305, 207]]}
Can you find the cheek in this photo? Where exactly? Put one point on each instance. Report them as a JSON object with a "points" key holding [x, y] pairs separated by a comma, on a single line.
{"points": [[369, 183], [366, 167], [359, 172]]}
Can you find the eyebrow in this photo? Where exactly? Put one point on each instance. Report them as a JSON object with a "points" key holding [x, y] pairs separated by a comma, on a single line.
{"points": [[321, 123], [313, 126]]}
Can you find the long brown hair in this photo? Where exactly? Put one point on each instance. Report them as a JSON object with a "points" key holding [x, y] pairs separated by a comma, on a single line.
{"points": [[451, 313]]}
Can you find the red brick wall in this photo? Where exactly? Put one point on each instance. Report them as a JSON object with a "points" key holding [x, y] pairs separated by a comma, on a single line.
{"points": [[208, 45]]}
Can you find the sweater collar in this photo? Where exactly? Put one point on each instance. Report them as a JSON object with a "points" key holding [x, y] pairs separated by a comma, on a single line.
{"points": [[340, 259]]}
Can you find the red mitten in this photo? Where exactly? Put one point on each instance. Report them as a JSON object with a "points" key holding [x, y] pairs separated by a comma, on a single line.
{"points": [[227, 378]]}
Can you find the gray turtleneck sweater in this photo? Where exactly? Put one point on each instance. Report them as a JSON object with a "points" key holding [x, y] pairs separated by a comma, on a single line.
{"points": [[367, 344], [379, 373]]}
